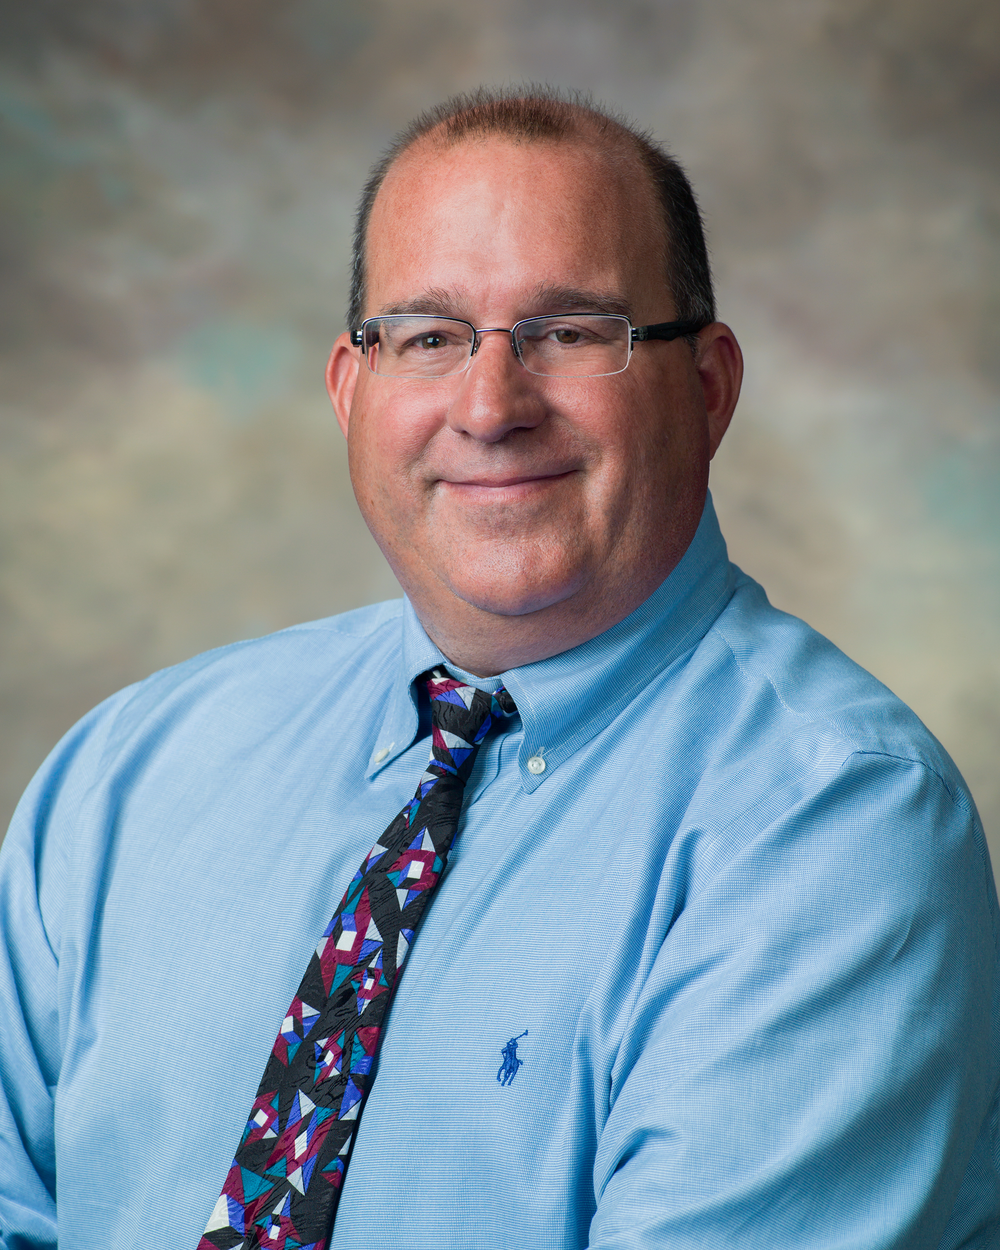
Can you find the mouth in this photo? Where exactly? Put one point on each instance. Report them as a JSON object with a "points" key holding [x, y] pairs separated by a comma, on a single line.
{"points": [[490, 491], [487, 482]]}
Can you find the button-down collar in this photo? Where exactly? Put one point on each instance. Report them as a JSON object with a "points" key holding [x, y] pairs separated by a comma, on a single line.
{"points": [[566, 699]]}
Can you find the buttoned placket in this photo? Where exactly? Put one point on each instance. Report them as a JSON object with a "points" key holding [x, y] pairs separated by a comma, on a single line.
{"points": [[499, 754], [495, 766], [499, 751]]}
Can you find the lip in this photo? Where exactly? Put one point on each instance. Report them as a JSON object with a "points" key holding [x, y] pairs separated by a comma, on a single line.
{"points": [[504, 483]]}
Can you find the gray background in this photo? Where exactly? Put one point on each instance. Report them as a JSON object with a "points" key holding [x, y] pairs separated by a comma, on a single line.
{"points": [[176, 187]]}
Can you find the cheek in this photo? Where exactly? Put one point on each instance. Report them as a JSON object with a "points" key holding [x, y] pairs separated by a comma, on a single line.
{"points": [[637, 427], [669, 418], [388, 433]]}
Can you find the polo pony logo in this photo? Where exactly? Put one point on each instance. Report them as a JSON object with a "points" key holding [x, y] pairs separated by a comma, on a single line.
{"points": [[511, 1063]]}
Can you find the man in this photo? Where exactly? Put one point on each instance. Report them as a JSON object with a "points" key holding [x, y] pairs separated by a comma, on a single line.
{"points": [[713, 962]]}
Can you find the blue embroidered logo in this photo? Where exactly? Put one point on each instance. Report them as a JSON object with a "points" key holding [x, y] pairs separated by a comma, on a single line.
{"points": [[511, 1063]]}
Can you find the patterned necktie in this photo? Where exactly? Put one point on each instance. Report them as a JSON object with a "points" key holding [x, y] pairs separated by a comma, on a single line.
{"points": [[282, 1190]]}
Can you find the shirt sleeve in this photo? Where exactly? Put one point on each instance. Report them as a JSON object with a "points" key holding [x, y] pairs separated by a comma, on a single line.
{"points": [[811, 1062], [36, 888]]}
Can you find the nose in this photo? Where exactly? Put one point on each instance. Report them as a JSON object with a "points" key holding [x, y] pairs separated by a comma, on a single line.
{"points": [[496, 394]]}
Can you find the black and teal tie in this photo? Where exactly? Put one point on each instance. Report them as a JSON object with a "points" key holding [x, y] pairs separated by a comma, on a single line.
{"points": [[282, 1190]]}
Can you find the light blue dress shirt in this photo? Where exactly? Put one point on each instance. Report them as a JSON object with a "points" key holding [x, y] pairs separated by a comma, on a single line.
{"points": [[742, 923]]}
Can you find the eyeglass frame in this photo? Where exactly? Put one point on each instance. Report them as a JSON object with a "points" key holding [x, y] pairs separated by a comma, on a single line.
{"points": [[664, 331]]}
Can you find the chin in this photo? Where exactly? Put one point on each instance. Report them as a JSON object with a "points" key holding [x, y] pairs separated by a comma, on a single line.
{"points": [[504, 579], [513, 595]]}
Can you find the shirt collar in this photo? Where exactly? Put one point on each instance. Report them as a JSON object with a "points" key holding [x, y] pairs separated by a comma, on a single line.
{"points": [[567, 699]]}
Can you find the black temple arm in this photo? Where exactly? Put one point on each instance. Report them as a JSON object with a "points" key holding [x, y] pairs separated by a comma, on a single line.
{"points": [[667, 330]]}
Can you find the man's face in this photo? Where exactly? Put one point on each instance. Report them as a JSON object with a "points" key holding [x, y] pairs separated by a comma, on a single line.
{"points": [[497, 494]]}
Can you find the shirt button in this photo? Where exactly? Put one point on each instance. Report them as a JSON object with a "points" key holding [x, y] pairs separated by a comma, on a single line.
{"points": [[536, 765], [379, 756]]}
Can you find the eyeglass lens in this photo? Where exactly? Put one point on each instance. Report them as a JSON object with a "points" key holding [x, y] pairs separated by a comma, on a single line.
{"points": [[575, 345]]}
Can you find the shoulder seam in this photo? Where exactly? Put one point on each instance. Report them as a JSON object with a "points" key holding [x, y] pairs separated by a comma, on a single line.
{"points": [[135, 689], [855, 748], [952, 794], [770, 681]]}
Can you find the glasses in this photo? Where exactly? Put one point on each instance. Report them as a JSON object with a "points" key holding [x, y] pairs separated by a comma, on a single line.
{"points": [[574, 345]]}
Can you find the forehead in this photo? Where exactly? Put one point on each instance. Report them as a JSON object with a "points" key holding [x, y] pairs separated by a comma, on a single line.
{"points": [[494, 219]]}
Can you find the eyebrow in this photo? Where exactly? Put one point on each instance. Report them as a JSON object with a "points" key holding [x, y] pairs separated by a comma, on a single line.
{"points": [[559, 299], [545, 299], [434, 302]]}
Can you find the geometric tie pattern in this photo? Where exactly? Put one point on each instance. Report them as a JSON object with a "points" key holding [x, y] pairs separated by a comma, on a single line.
{"points": [[282, 1190]]}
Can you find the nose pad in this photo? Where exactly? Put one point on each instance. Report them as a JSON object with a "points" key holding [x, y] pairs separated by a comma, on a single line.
{"points": [[478, 340]]}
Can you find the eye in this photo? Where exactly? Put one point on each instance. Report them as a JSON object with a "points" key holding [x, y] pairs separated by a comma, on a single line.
{"points": [[431, 341], [567, 335]]}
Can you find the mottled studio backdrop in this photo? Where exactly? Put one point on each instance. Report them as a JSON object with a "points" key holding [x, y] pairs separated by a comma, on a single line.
{"points": [[176, 188]]}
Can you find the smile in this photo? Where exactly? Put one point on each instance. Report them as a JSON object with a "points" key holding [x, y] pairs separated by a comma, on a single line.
{"points": [[502, 489]]}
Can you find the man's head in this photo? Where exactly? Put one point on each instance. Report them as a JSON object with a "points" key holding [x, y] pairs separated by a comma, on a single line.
{"points": [[524, 514]]}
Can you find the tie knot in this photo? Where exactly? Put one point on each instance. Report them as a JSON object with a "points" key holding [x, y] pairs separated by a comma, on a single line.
{"points": [[462, 716]]}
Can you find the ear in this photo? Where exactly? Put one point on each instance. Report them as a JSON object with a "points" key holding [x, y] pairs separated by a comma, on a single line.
{"points": [[720, 368], [341, 378]]}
